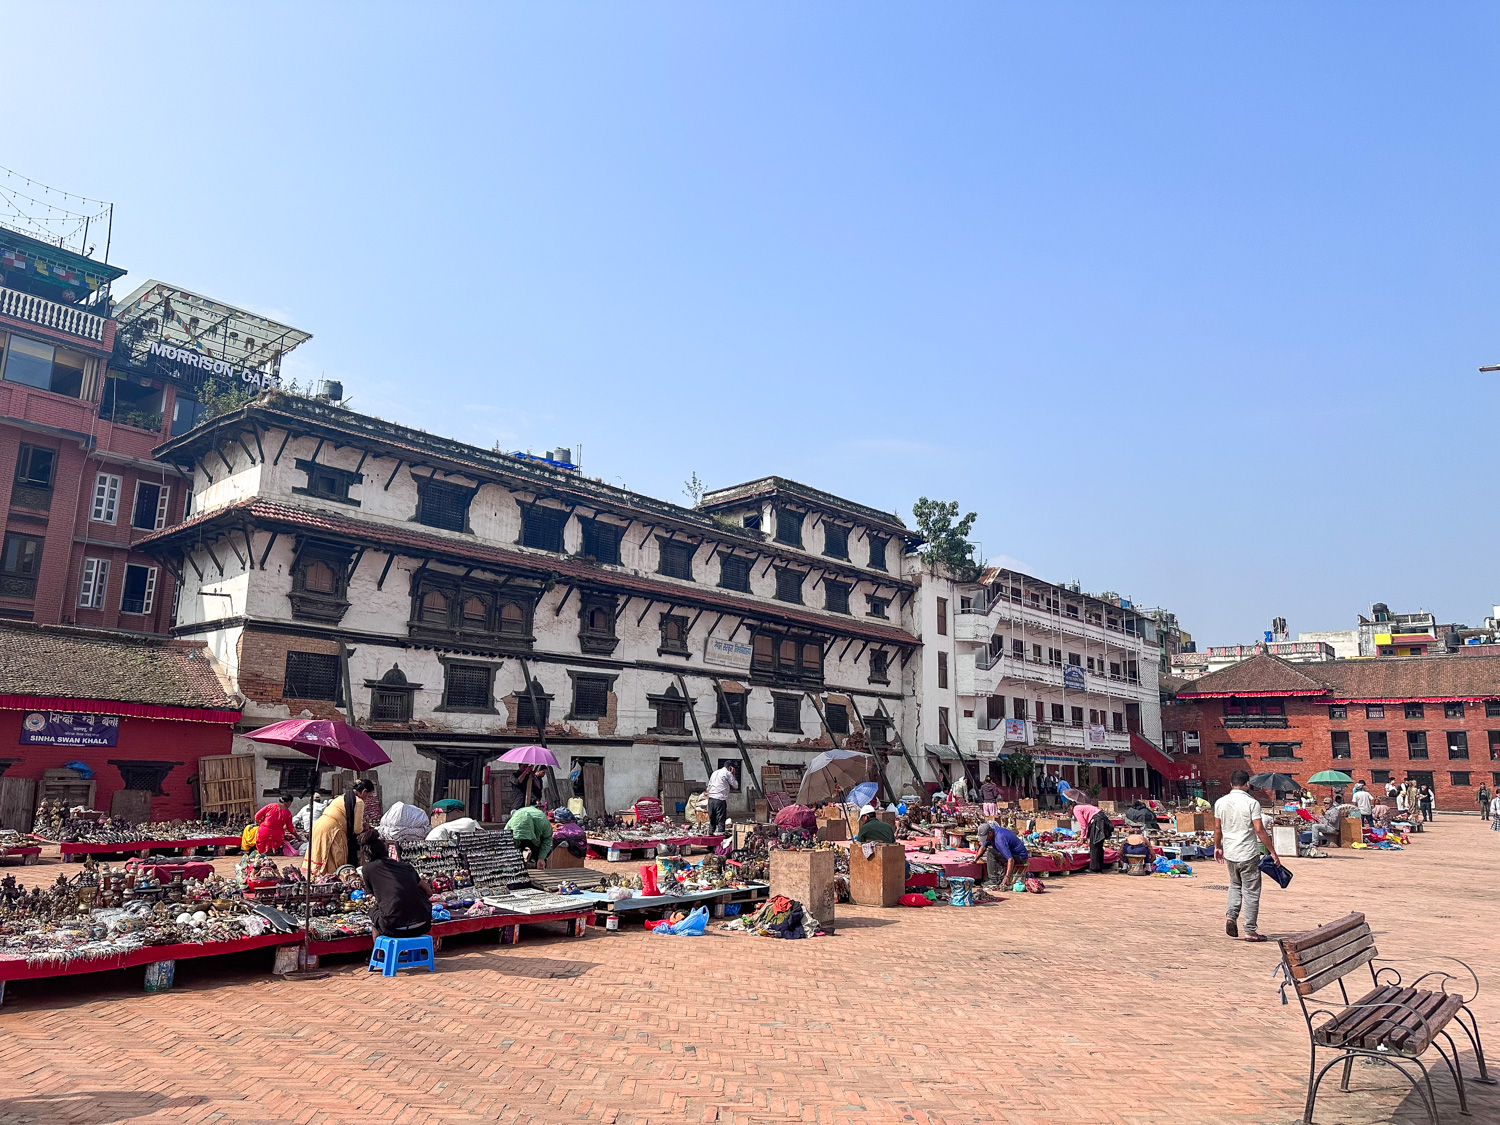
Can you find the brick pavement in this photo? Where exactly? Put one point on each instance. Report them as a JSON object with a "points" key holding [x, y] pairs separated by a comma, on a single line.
{"points": [[1108, 1000]]}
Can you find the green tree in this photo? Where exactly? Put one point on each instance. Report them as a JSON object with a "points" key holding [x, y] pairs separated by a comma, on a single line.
{"points": [[220, 398], [947, 541]]}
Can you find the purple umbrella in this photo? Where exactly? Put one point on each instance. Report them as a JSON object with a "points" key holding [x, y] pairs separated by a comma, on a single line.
{"points": [[530, 756], [328, 740]]}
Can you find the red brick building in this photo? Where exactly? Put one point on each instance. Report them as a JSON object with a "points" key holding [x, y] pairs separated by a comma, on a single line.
{"points": [[138, 712], [1428, 718]]}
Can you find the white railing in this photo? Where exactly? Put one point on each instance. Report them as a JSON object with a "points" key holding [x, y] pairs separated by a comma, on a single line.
{"points": [[50, 314]]}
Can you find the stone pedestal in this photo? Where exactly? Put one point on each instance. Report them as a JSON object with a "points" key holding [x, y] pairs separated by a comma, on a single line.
{"points": [[806, 877], [879, 880]]}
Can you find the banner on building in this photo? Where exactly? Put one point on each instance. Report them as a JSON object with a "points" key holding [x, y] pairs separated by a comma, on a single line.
{"points": [[1098, 734], [1073, 678], [62, 728], [727, 654], [1017, 730]]}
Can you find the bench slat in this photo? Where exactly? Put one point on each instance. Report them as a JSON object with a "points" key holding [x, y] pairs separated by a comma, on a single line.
{"points": [[1354, 1019], [1333, 972], [1298, 942], [1353, 942], [1376, 1021], [1410, 1034]]}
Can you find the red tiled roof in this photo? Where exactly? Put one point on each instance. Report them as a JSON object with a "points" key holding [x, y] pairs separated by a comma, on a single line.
{"points": [[1391, 679], [464, 552], [42, 665]]}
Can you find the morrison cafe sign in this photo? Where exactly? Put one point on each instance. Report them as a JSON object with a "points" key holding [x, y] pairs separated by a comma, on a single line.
{"points": [[180, 358]]}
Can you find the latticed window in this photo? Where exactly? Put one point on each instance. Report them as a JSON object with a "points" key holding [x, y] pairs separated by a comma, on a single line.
{"points": [[312, 675], [388, 706], [837, 597], [590, 697], [444, 505], [542, 528], [787, 716], [835, 541], [601, 541], [468, 686], [789, 585], [676, 559]]}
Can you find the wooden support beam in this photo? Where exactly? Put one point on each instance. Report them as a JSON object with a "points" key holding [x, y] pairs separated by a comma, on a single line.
{"points": [[860, 654], [285, 438], [693, 711], [172, 568], [907, 653], [201, 464], [890, 792], [353, 566], [833, 738], [536, 707], [649, 529], [249, 546], [240, 438], [392, 477], [258, 447], [847, 645], [189, 556], [642, 617], [715, 625], [364, 454], [386, 569], [317, 449], [738, 740], [209, 548], [267, 552], [568, 593], [689, 631], [226, 461]]}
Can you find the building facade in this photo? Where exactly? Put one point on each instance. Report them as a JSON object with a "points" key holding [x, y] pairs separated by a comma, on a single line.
{"points": [[1192, 665], [458, 602], [1013, 664], [1432, 719]]}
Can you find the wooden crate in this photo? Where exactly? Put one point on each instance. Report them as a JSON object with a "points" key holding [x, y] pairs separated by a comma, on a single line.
{"points": [[18, 803], [671, 786], [226, 785]]}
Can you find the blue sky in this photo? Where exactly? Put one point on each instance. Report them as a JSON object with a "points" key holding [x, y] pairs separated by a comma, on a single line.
{"points": [[1186, 300]]}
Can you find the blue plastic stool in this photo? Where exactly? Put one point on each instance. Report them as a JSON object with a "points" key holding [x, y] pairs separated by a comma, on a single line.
{"points": [[393, 953]]}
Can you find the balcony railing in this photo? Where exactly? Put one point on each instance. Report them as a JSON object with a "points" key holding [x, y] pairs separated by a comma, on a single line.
{"points": [[50, 314]]}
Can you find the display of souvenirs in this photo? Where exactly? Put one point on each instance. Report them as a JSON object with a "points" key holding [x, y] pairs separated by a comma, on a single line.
{"points": [[80, 826]]}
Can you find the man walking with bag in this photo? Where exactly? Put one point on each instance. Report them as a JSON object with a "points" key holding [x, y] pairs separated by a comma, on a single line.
{"points": [[1239, 830]]}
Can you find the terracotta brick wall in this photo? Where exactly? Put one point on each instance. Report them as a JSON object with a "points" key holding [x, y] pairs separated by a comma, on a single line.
{"points": [[1309, 724], [262, 674]]}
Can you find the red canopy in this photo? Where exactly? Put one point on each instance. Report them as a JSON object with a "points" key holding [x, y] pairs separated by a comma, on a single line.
{"points": [[1159, 760]]}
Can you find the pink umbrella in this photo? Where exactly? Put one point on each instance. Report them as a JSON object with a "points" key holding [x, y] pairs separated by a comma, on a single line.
{"points": [[328, 740], [530, 756]]}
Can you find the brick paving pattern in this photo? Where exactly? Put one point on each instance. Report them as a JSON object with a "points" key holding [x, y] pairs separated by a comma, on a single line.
{"points": [[1107, 1000]]}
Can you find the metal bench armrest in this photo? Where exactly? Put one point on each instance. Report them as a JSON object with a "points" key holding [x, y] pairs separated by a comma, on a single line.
{"points": [[1386, 963]]}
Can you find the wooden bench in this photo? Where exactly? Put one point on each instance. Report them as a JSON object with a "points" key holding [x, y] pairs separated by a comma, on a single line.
{"points": [[1393, 1021]]}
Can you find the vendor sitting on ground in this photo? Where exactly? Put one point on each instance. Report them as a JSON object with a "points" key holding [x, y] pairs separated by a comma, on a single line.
{"points": [[403, 899], [532, 832], [1139, 814], [997, 843], [873, 830]]}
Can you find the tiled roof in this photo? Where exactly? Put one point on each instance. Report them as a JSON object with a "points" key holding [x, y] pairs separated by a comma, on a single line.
{"points": [[779, 486], [1260, 675], [466, 552], [1381, 679], [71, 663]]}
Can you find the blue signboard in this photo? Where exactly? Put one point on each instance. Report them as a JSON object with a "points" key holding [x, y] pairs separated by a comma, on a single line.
{"points": [[1073, 677], [69, 728]]}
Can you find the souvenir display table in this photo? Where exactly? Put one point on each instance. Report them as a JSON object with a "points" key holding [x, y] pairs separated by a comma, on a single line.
{"points": [[628, 847], [73, 848], [18, 968], [28, 854], [507, 923]]}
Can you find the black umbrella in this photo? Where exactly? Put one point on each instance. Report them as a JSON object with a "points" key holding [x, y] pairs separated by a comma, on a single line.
{"points": [[1276, 782]]}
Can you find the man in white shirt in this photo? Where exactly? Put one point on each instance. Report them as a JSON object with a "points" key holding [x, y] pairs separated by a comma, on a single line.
{"points": [[721, 783], [1239, 830], [1364, 803]]}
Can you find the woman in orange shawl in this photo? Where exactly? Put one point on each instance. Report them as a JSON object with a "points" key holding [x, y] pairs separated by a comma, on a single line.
{"points": [[342, 820]]}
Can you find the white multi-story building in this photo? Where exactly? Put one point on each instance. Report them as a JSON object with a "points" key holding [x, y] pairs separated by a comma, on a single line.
{"points": [[1012, 663], [459, 602]]}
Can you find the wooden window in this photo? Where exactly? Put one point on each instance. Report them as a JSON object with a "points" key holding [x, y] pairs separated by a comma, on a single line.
{"points": [[106, 503], [812, 660], [1118, 721], [1057, 712], [837, 716], [1414, 710], [1458, 744], [514, 619], [752, 521], [475, 613], [319, 578], [1379, 743], [789, 527], [787, 714], [835, 541], [675, 560], [443, 504], [674, 634], [1021, 708], [138, 591], [601, 541], [1074, 660], [879, 607], [94, 584], [789, 585], [836, 597], [943, 728], [313, 675], [1076, 717], [466, 687], [542, 528], [1282, 749], [1460, 777], [434, 608], [1341, 744], [942, 617], [35, 466], [1416, 744], [327, 482], [877, 552], [734, 573], [1374, 710], [391, 697], [1191, 743], [880, 666], [1338, 711], [525, 715], [1379, 777], [731, 710], [596, 632], [590, 697], [942, 670], [1453, 710], [763, 653], [1492, 708], [19, 565], [1494, 739]]}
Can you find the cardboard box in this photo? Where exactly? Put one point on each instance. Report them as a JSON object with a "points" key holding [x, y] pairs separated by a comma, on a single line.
{"points": [[807, 877], [1027, 804], [879, 880], [1046, 823], [1192, 821], [1351, 831]]}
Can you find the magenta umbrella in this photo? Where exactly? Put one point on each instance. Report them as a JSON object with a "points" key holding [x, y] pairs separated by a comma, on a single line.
{"points": [[324, 740]]}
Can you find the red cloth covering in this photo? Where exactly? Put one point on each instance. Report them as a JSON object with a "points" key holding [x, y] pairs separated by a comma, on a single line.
{"points": [[797, 816], [166, 872]]}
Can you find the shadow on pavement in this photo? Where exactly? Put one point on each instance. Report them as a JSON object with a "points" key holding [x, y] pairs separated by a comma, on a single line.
{"points": [[88, 1107]]}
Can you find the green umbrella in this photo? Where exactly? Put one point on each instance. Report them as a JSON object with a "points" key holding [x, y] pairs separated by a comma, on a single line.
{"points": [[1330, 777]]}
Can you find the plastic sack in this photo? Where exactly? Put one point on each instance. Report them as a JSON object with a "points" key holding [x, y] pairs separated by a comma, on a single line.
{"points": [[1035, 886], [615, 894], [694, 925], [914, 900], [440, 913]]}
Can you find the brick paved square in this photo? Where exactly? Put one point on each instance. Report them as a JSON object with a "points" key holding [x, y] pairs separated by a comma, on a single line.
{"points": [[1107, 1000]]}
